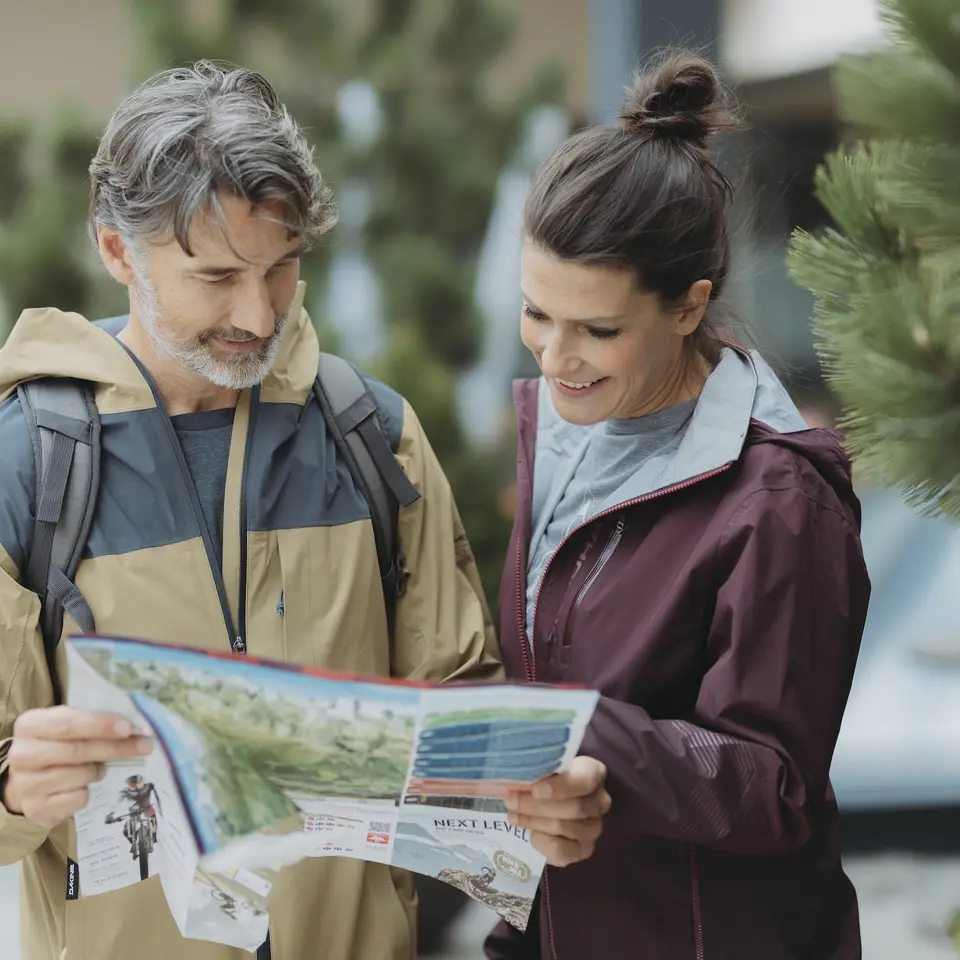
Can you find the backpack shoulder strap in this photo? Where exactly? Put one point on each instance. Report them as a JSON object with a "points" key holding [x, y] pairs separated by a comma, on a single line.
{"points": [[351, 414], [65, 427]]}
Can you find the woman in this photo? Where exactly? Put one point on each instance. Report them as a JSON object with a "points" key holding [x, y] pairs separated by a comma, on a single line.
{"points": [[685, 545]]}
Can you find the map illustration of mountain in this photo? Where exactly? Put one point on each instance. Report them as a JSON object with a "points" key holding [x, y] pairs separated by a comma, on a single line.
{"points": [[253, 745], [261, 764], [496, 870], [515, 910]]}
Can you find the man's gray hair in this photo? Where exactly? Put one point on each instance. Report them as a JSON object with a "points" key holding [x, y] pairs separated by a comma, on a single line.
{"points": [[191, 133]]}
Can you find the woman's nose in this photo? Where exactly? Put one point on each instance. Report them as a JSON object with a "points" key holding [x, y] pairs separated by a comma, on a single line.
{"points": [[557, 359]]}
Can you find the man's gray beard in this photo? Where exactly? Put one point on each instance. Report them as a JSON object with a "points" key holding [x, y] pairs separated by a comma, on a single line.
{"points": [[240, 372]]}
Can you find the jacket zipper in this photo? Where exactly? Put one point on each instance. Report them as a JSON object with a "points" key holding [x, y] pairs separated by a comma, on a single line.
{"points": [[191, 488], [546, 897], [695, 895], [529, 661], [530, 666], [240, 645], [607, 552]]}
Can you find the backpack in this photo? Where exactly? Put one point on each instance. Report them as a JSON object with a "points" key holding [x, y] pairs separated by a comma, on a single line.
{"points": [[65, 428]]}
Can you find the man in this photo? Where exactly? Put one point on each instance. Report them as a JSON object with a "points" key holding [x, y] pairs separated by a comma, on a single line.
{"points": [[139, 796], [226, 516]]}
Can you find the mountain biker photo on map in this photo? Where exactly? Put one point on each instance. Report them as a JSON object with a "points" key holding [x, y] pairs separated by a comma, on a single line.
{"points": [[140, 820]]}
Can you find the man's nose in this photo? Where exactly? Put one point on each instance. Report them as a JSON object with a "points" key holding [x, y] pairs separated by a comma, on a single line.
{"points": [[255, 315]]}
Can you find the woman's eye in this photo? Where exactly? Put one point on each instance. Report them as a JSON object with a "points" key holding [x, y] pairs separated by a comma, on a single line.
{"points": [[533, 314], [218, 281], [603, 333]]}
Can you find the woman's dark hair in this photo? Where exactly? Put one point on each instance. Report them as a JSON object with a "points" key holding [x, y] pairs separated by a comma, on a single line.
{"points": [[646, 195]]}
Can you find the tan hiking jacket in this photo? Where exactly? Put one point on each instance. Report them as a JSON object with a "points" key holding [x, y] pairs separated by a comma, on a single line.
{"points": [[299, 577]]}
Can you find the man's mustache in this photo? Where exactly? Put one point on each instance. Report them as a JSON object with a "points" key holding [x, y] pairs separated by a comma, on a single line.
{"points": [[237, 336]]}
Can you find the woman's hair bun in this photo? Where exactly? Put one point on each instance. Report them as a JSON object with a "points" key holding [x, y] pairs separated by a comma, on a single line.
{"points": [[679, 97]]}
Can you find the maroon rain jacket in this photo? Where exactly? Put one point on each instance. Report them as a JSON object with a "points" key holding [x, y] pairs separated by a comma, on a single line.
{"points": [[720, 616]]}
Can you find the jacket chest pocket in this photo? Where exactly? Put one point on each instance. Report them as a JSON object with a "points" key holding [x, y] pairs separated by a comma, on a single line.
{"points": [[590, 566], [314, 598]]}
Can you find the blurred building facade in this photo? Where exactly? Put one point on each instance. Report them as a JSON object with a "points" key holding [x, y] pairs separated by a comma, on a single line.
{"points": [[83, 55], [780, 56], [779, 53]]}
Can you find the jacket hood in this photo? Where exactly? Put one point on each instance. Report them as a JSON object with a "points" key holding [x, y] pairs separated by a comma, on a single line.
{"points": [[824, 450], [742, 391], [52, 343], [780, 424]]}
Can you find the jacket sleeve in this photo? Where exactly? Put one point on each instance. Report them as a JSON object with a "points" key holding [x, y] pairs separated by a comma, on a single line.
{"points": [[748, 771], [24, 677], [24, 684], [444, 630], [505, 942]]}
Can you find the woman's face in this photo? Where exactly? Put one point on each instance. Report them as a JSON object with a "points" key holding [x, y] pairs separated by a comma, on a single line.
{"points": [[608, 350]]}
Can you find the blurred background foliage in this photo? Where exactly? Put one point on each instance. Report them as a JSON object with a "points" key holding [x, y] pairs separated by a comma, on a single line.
{"points": [[395, 96]]}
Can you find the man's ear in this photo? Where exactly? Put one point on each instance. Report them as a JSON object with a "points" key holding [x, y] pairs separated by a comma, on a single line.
{"points": [[693, 307], [116, 256]]}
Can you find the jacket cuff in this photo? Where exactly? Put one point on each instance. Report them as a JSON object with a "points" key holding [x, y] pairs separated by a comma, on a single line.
{"points": [[18, 835]]}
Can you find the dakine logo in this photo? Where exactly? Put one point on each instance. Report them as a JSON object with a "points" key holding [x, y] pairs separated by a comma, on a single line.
{"points": [[73, 880]]}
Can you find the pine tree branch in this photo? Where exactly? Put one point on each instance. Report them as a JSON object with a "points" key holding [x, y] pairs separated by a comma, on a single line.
{"points": [[886, 282], [932, 26]]}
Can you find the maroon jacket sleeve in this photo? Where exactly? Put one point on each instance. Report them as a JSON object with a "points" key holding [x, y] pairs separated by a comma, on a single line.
{"points": [[507, 943], [748, 770]]}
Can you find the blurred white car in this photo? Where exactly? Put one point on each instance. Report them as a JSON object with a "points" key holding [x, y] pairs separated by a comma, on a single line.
{"points": [[899, 745]]}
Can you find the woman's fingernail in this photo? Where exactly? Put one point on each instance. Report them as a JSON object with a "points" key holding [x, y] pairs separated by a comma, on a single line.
{"points": [[122, 728]]}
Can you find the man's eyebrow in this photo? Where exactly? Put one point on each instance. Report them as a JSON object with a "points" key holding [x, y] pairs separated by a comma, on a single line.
{"points": [[298, 251], [215, 271]]}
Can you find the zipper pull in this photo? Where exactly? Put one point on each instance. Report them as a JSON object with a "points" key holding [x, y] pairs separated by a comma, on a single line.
{"points": [[239, 645]]}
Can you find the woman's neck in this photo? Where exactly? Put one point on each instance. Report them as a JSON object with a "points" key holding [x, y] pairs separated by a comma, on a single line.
{"points": [[684, 382]]}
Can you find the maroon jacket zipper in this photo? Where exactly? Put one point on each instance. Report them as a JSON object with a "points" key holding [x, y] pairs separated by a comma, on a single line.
{"points": [[695, 896], [529, 662], [530, 669]]}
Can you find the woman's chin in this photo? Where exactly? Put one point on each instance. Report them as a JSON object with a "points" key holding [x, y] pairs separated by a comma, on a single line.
{"points": [[579, 414]]}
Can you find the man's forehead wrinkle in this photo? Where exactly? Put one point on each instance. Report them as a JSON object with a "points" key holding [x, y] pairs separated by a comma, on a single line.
{"points": [[209, 238], [210, 229]]}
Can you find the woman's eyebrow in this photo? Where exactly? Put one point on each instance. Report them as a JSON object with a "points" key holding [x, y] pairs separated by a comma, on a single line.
{"points": [[609, 319]]}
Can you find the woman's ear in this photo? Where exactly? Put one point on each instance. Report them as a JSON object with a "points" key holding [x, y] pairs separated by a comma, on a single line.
{"points": [[693, 307]]}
